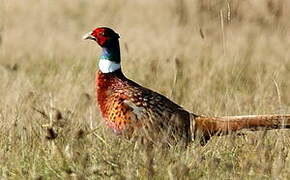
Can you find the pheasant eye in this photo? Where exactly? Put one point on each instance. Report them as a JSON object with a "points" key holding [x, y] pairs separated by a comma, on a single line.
{"points": [[102, 33]]}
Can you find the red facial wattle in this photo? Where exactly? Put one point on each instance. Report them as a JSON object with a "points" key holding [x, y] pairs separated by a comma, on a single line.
{"points": [[99, 35]]}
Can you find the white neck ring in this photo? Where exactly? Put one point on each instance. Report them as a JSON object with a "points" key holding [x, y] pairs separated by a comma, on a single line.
{"points": [[107, 66]]}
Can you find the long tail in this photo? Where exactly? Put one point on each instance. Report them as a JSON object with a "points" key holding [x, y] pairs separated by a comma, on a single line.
{"points": [[209, 126]]}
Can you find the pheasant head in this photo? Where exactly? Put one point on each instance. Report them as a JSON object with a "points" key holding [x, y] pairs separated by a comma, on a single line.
{"points": [[109, 42], [104, 36]]}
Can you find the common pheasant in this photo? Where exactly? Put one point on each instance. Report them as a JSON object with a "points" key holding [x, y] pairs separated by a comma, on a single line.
{"points": [[127, 107]]}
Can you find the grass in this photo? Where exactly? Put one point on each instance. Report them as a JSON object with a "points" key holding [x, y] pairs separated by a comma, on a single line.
{"points": [[218, 57]]}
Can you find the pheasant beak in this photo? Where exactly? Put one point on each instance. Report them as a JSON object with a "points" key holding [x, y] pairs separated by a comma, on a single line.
{"points": [[89, 36]]}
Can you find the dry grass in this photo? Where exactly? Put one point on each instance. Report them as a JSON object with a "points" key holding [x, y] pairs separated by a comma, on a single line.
{"points": [[220, 57]]}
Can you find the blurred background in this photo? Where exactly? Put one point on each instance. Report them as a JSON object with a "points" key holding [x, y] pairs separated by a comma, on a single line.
{"points": [[213, 57], [209, 48]]}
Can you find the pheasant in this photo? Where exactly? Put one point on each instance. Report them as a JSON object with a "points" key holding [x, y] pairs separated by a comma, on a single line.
{"points": [[127, 107]]}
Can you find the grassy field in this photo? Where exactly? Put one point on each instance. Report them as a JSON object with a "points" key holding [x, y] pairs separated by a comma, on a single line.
{"points": [[221, 57]]}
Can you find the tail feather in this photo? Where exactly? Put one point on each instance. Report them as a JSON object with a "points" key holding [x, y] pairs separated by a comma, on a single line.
{"points": [[210, 126]]}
